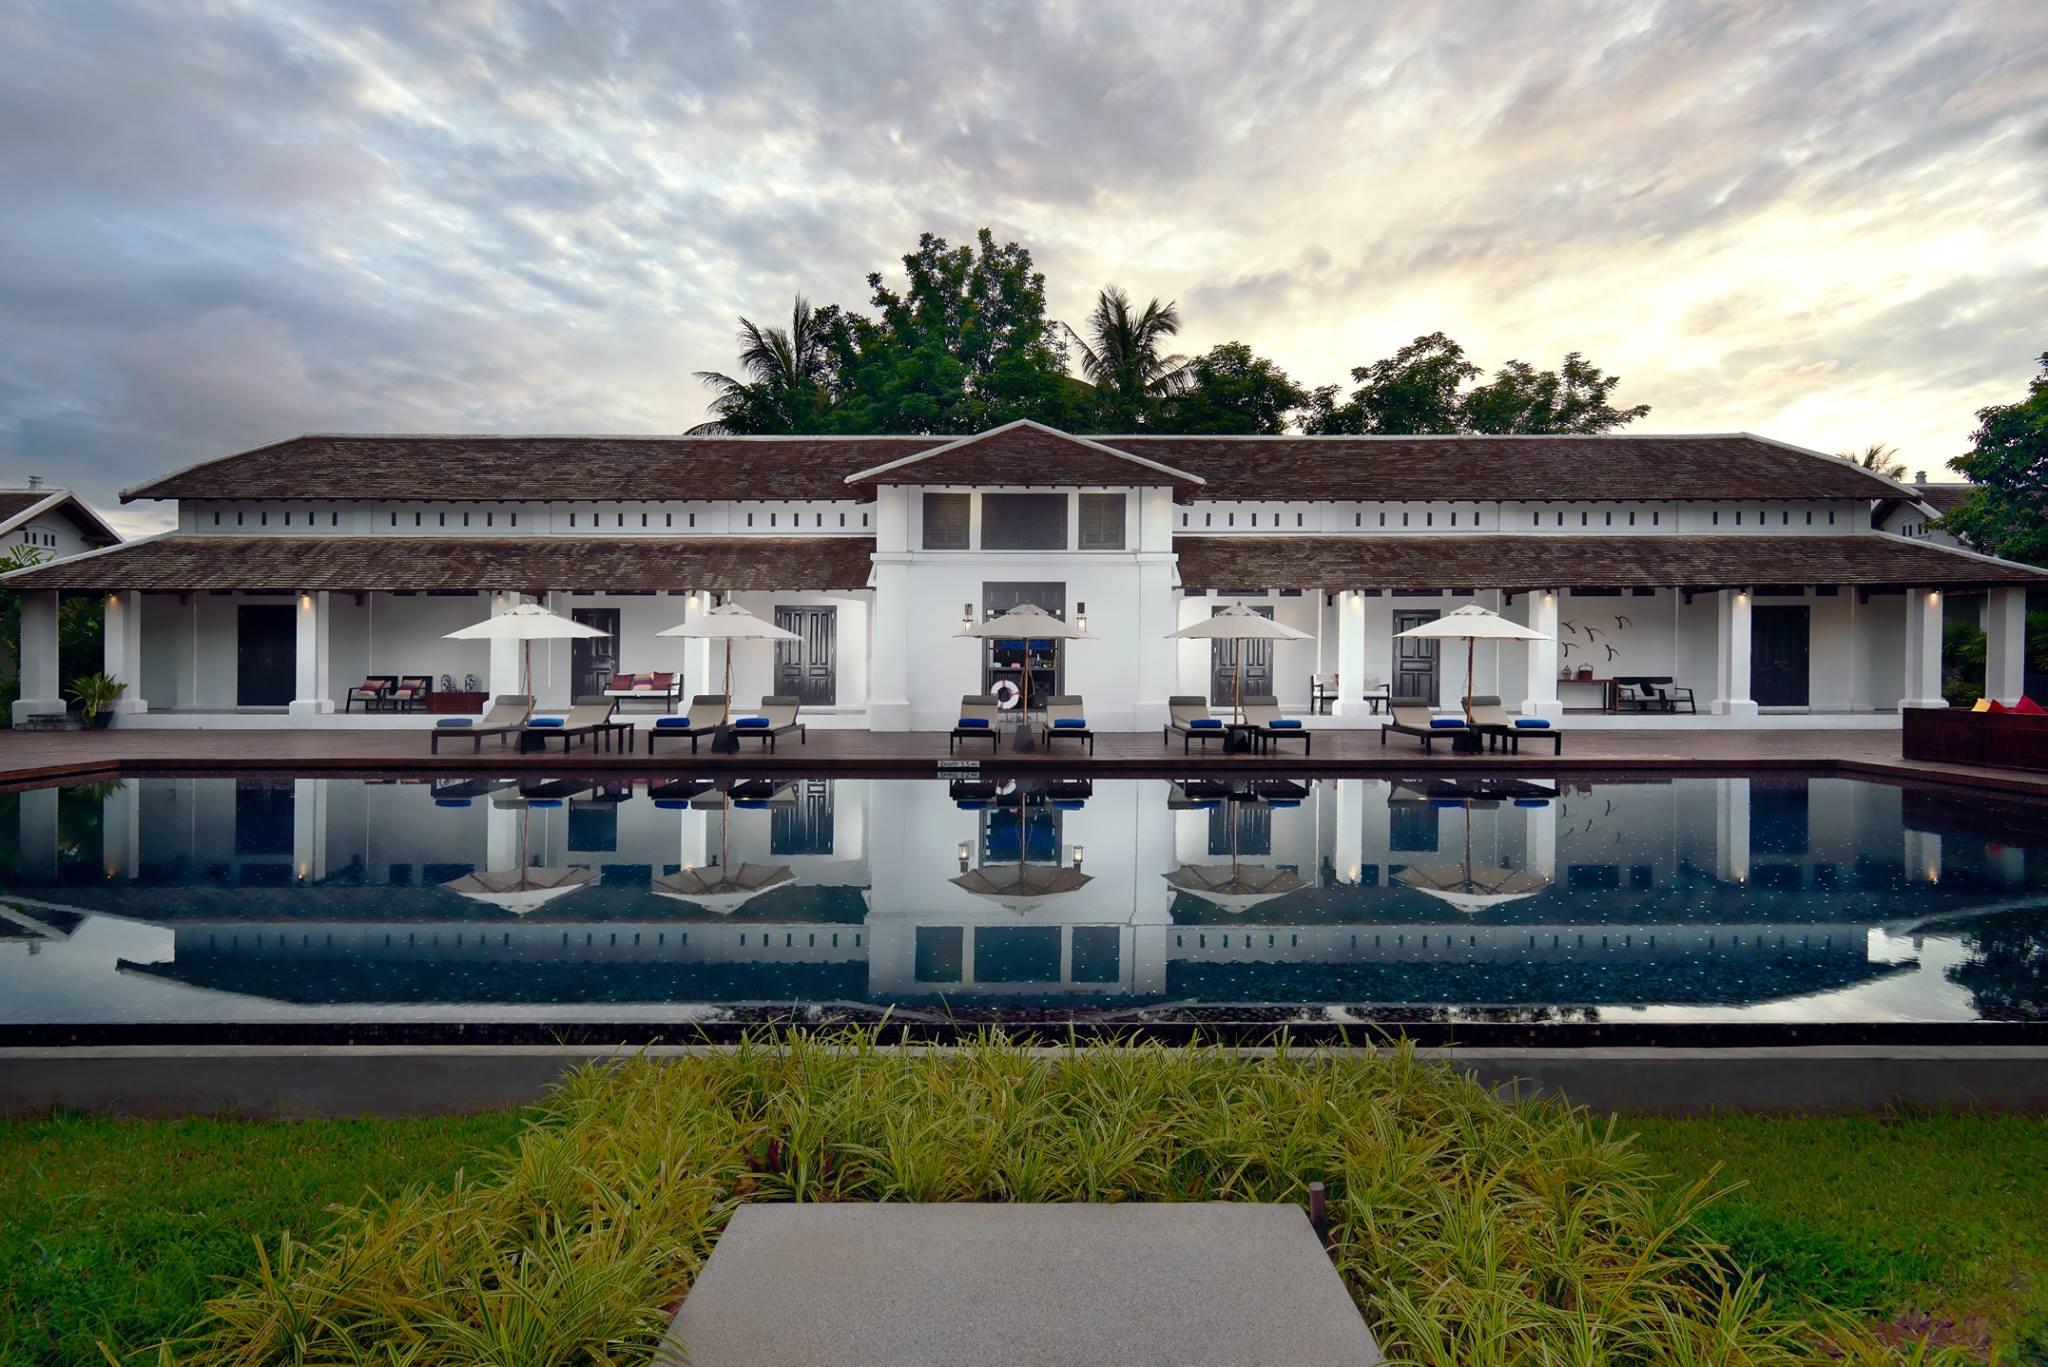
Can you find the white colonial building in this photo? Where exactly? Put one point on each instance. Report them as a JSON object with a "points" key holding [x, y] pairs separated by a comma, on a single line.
{"points": [[1757, 574]]}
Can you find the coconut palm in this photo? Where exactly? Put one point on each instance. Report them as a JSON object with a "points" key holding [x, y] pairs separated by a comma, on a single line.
{"points": [[784, 372], [1121, 355], [1879, 459]]}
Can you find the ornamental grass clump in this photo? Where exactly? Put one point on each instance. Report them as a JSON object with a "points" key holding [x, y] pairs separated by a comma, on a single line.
{"points": [[1470, 1230]]}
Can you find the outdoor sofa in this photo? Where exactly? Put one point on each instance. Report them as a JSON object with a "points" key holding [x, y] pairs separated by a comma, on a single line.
{"points": [[666, 689], [706, 714], [1411, 719], [591, 718], [1066, 718], [979, 715], [1492, 720], [507, 714]]}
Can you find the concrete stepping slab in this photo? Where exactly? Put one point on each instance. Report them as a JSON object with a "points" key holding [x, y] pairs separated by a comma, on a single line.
{"points": [[1193, 1285]]}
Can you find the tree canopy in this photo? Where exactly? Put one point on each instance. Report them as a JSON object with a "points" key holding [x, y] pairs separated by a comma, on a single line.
{"points": [[2008, 462], [964, 344]]}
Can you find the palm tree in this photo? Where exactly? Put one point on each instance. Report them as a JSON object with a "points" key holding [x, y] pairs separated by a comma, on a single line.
{"points": [[1121, 353], [1879, 459], [785, 372]]}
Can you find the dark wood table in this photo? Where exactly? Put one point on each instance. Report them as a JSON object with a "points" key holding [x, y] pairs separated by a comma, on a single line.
{"points": [[457, 702]]}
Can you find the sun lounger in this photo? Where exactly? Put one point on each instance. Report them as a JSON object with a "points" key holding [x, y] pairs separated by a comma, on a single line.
{"points": [[589, 718], [776, 717], [1411, 720], [1263, 711], [508, 714], [703, 718], [1490, 718], [978, 717], [1189, 714], [1066, 719]]}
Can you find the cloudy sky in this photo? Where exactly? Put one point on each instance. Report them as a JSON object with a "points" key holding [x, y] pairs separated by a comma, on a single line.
{"points": [[227, 223]]}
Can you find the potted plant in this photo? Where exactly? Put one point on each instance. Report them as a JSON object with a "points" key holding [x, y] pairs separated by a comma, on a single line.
{"points": [[96, 695]]}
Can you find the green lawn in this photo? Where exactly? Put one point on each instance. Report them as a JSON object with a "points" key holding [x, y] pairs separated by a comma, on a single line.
{"points": [[117, 1230]]}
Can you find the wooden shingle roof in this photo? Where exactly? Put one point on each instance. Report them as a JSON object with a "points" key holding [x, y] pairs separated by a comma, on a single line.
{"points": [[520, 564], [1534, 562]]}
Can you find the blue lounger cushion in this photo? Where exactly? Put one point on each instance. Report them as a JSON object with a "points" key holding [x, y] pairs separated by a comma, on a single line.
{"points": [[973, 724], [1445, 724], [1206, 806], [456, 721], [971, 804], [1206, 724], [1284, 724], [1283, 802], [1071, 724], [676, 723], [752, 804], [1449, 802], [1069, 804], [1532, 802], [549, 721], [544, 802], [750, 723], [1533, 723], [672, 804], [451, 802]]}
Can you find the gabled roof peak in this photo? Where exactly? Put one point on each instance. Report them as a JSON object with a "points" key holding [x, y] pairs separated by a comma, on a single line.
{"points": [[1053, 456]]}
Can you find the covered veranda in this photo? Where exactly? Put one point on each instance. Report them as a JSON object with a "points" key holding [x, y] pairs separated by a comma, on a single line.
{"points": [[216, 630], [1807, 627]]}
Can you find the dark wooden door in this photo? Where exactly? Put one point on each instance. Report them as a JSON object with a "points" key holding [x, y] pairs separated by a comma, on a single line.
{"points": [[593, 660], [804, 826], [1415, 661], [1258, 665], [808, 666], [1777, 656], [266, 654], [1007, 659]]}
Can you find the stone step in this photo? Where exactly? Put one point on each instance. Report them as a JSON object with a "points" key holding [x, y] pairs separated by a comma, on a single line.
{"points": [[1169, 1285]]}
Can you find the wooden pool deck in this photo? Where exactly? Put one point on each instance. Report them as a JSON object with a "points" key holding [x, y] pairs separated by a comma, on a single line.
{"points": [[30, 758]]}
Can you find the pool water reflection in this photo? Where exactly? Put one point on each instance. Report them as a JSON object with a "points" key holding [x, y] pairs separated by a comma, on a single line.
{"points": [[1768, 898]]}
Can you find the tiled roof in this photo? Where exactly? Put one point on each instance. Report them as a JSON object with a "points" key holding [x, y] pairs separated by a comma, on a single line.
{"points": [[520, 564], [14, 502], [1530, 562], [1619, 468], [541, 468], [1944, 497], [484, 468]]}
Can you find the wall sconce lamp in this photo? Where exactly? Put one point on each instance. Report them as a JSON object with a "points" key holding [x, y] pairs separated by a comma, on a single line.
{"points": [[966, 616], [1080, 617], [963, 852], [1077, 856]]}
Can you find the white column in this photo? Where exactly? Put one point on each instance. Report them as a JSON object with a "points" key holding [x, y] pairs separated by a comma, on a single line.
{"points": [[2005, 645], [121, 829], [1539, 840], [1158, 653], [1347, 852], [1732, 668], [1731, 830], [37, 830], [889, 662], [122, 649], [501, 835], [314, 693], [1350, 704], [1539, 698], [698, 675], [309, 829], [504, 668], [1923, 650], [553, 680], [39, 692]]}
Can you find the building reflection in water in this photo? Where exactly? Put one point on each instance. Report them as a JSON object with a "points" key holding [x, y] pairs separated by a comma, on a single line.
{"points": [[1034, 896]]}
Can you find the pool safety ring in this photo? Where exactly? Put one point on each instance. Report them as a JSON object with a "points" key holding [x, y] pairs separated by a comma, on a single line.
{"points": [[1006, 694]]}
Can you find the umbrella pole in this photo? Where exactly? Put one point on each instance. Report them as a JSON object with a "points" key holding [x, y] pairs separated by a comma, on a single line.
{"points": [[1471, 644], [1237, 683], [725, 714]]}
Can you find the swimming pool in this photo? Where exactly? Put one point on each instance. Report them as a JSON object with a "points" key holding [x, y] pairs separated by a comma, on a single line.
{"points": [[337, 908]]}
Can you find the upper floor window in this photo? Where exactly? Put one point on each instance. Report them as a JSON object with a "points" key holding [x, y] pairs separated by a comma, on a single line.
{"points": [[1024, 522], [945, 521], [1102, 522]]}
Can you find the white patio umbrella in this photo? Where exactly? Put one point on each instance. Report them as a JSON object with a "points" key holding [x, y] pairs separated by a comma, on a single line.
{"points": [[526, 623], [1238, 623], [1473, 624], [1469, 889], [721, 889], [1236, 886], [1021, 886], [520, 890], [1026, 622], [729, 622]]}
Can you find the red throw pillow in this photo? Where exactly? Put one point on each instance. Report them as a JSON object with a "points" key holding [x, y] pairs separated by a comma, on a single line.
{"points": [[1997, 706], [2028, 706]]}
